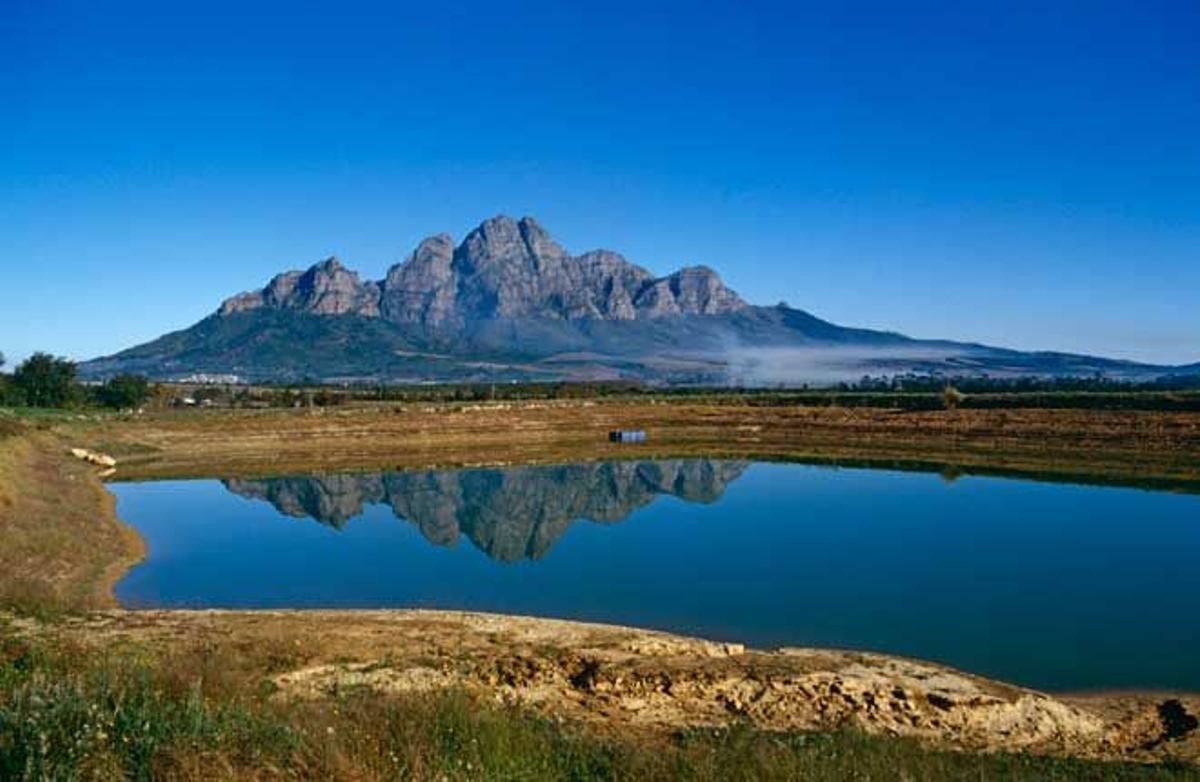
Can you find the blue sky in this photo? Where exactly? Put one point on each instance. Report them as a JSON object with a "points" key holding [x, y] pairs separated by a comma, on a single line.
{"points": [[1018, 173]]}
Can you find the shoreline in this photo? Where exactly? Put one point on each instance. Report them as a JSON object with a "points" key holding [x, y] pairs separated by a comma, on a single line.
{"points": [[403, 613], [629, 680], [948, 471], [1106, 446]]}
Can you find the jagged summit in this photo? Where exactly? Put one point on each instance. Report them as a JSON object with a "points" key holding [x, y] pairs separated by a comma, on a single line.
{"points": [[326, 288], [503, 269]]}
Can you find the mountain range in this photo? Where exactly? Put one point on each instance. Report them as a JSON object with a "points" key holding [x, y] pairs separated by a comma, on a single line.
{"points": [[509, 303]]}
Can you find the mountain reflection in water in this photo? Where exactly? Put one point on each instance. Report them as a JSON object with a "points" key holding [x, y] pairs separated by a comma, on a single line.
{"points": [[509, 513], [1019, 580]]}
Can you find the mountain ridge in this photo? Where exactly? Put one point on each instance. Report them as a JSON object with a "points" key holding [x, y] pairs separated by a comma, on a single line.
{"points": [[508, 303], [503, 269]]}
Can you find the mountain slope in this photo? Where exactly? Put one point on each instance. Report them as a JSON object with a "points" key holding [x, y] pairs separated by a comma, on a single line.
{"points": [[509, 303]]}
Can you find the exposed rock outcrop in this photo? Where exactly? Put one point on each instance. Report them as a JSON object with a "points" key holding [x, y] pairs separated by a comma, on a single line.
{"points": [[94, 457], [504, 269], [327, 288], [625, 678], [423, 288]]}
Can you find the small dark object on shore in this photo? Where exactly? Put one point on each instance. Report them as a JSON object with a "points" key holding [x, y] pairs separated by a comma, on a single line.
{"points": [[627, 436]]}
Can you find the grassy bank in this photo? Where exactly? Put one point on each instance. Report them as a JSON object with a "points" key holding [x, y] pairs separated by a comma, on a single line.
{"points": [[63, 547], [69, 711]]}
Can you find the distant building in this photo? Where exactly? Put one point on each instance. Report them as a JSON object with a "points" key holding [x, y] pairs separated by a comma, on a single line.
{"points": [[627, 436], [205, 379]]}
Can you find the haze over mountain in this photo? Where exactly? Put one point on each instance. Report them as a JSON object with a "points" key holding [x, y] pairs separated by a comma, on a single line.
{"points": [[509, 303]]}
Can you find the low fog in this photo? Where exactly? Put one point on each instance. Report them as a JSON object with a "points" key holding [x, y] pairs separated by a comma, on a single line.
{"points": [[827, 364]]}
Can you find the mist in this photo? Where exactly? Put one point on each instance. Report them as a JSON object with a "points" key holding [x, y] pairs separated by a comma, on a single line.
{"points": [[827, 364]]}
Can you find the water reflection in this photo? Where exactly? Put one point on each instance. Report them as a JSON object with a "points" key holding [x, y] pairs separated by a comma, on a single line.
{"points": [[510, 513]]}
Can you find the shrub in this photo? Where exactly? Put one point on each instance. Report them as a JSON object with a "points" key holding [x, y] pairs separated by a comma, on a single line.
{"points": [[952, 397], [124, 391]]}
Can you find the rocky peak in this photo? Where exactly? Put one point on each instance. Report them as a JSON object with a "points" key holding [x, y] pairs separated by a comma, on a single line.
{"points": [[326, 288], [537, 240], [496, 240], [505, 269], [503, 241], [422, 288], [700, 291]]}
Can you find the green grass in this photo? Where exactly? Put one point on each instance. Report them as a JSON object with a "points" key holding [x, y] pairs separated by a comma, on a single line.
{"points": [[70, 713], [47, 417], [63, 716]]}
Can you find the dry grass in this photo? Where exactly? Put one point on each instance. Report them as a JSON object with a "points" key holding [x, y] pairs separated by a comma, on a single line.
{"points": [[63, 547], [1115, 446]]}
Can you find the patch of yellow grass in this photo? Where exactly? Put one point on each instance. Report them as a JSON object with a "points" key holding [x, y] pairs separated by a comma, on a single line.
{"points": [[63, 547]]}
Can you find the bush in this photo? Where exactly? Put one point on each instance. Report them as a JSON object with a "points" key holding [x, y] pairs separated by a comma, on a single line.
{"points": [[952, 397], [10, 395], [124, 391]]}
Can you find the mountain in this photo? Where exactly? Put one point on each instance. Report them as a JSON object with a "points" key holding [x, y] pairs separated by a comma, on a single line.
{"points": [[508, 514], [509, 303]]}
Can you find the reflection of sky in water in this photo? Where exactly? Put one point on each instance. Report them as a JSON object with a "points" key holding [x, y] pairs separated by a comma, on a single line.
{"points": [[1050, 585]]}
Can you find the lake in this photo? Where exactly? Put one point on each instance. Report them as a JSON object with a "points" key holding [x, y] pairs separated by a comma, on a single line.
{"points": [[1050, 585]]}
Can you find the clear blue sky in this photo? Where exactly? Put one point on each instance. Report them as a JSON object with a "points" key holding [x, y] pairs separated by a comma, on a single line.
{"points": [[1018, 173]]}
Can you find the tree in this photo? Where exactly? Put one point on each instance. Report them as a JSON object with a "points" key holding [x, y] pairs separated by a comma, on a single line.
{"points": [[8, 393], [46, 381], [124, 391]]}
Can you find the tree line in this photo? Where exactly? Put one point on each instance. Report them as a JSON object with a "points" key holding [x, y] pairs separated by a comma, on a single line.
{"points": [[43, 380]]}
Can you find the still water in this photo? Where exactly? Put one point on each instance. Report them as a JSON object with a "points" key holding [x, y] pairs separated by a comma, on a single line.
{"points": [[1055, 586]]}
